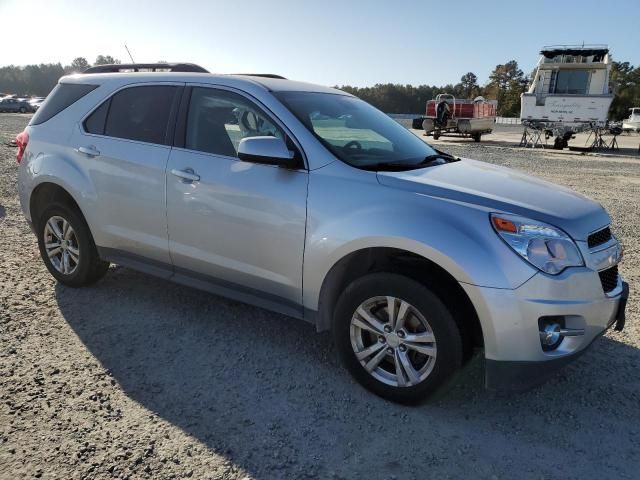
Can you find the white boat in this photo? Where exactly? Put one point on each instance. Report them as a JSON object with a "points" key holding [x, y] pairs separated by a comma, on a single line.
{"points": [[633, 122], [570, 88]]}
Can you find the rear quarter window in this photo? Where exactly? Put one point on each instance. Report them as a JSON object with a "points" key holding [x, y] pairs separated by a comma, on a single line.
{"points": [[96, 121], [61, 97]]}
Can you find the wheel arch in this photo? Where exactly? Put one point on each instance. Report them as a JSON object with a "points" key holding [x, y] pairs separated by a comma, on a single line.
{"points": [[49, 192], [412, 265]]}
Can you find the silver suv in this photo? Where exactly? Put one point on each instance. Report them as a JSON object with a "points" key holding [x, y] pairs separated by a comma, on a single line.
{"points": [[308, 201]]}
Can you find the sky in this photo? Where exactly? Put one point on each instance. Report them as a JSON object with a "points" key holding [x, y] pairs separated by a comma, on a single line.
{"points": [[328, 42]]}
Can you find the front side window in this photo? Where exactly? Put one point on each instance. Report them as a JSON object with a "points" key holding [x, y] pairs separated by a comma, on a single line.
{"points": [[356, 132], [219, 119], [135, 113]]}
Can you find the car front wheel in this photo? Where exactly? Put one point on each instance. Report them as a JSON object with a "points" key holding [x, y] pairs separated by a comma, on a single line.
{"points": [[396, 337]]}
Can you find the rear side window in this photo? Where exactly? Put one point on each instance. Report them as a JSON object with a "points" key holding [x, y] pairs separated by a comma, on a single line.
{"points": [[136, 113], [62, 96]]}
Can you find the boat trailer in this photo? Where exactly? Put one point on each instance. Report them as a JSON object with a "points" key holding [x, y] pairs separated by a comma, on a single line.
{"points": [[602, 136], [450, 115]]}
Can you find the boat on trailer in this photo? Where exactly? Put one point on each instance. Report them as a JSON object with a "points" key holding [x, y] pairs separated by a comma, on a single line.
{"points": [[448, 114], [632, 124], [570, 91]]}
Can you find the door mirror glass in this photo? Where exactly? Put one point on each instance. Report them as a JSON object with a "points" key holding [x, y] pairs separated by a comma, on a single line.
{"points": [[267, 150]]}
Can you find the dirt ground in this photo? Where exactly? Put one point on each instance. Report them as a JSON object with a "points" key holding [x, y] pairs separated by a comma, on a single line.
{"points": [[136, 377]]}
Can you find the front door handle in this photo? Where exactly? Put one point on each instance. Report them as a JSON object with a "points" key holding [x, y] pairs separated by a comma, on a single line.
{"points": [[187, 174], [89, 151]]}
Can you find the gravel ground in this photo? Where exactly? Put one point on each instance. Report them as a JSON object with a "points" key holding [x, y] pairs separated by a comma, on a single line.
{"points": [[140, 378]]}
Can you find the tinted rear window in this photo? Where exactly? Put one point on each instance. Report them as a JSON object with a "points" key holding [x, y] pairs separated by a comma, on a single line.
{"points": [[140, 113], [61, 97], [96, 121]]}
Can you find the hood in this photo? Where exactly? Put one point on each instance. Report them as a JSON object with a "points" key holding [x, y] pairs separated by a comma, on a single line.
{"points": [[502, 189]]}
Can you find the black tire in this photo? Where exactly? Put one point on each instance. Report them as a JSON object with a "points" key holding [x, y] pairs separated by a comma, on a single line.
{"points": [[560, 143], [23, 110], [477, 137], [89, 267], [447, 336]]}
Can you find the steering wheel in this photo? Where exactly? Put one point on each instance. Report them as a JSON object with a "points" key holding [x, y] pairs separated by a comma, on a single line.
{"points": [[353, 145]]}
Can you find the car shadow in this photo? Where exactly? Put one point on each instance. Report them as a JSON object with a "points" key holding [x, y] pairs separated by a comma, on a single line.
{"points": [[268, 393]]}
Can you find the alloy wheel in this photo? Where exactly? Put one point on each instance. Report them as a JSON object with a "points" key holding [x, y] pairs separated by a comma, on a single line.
{"points": [[61, 245], [393, 341]]}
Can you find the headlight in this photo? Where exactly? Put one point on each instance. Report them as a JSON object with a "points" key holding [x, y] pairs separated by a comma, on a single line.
{"points": [[544, 246]]}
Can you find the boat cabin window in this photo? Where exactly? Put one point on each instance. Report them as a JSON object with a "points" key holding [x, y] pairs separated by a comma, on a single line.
{"points": [[571, 82], [596, 58]]}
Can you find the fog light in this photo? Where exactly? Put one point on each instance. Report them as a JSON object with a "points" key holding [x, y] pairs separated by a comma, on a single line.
{"points": [[550, 337], [553, 331]]}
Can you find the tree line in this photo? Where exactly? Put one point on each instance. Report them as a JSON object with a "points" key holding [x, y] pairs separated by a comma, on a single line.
{"points": [[39, 80], [506, 82]]}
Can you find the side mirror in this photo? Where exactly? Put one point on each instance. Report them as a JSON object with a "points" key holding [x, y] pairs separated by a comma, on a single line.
{"points": [[266, 150]]}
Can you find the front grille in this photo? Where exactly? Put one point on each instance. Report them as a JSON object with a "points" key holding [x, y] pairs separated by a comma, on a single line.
{"points": [[599, 237], [609, 278]]}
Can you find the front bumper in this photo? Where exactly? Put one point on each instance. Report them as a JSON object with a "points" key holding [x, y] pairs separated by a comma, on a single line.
{"points": [[514, 356]]}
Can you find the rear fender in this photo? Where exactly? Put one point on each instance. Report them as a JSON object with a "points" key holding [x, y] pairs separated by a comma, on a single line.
{"points": [[63, 172]]}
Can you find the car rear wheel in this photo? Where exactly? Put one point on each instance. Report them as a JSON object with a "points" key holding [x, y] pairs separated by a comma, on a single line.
{"points": [[67, 247], [396, 337], [23, 110]]}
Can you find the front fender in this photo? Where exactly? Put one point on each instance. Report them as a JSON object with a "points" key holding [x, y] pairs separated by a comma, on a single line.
{"points": [[354, 212]]}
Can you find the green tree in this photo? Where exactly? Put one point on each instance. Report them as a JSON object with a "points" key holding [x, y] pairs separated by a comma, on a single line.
{"points": [[625, 82], [503, 74], [506, 83], [469, 85], [106, 60], [78, 65]]}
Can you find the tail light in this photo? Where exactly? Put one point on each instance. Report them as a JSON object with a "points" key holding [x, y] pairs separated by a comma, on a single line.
{"points": [[21, 142]]}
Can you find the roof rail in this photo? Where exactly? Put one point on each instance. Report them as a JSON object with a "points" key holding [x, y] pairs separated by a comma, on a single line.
{"points": [[146, 67], [264, 75]]}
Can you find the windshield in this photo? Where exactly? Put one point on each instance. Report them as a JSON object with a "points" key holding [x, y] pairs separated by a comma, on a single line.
{"points": [[356, 132]]}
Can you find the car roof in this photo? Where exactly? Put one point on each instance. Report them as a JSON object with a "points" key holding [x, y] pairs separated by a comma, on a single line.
{"points": [[268, 83]]}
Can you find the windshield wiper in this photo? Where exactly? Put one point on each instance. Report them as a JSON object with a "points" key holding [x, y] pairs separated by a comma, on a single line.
{"points": [[391, 166], [429, 160], [445, 156]]}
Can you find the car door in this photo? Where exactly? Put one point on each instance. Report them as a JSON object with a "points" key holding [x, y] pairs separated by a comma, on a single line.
{"points": [[123, 145], [237, 227]]}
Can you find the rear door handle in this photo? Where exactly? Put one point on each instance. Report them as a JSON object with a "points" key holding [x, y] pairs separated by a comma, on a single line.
{"points": [[89, 151], [187, 174]]}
